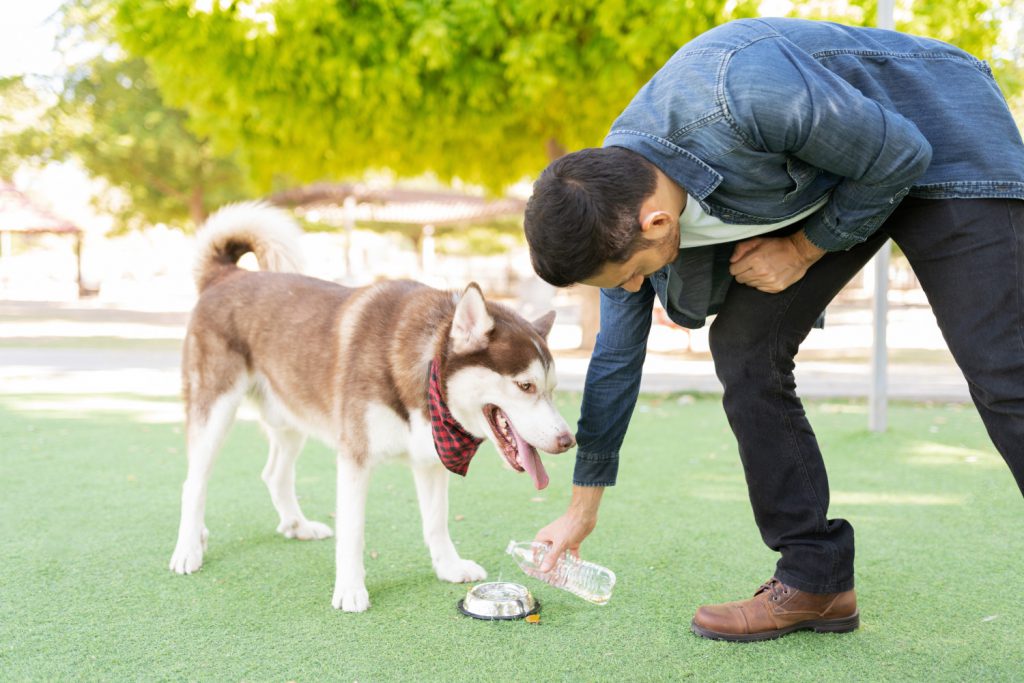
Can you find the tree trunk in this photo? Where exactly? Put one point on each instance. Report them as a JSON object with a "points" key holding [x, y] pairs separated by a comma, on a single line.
{"points": [[590, 315], [554, 149], [196, 210]]}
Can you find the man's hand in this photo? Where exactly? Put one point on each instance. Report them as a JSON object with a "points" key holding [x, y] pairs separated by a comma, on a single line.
{"points": [[771, 264], [568, 531]]}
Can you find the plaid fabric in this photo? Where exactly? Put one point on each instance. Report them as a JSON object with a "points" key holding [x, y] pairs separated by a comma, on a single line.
{"points": [[454, 445]]}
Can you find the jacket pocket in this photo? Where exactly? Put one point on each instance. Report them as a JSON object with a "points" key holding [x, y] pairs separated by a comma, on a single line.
{"points": [[801, 173]]}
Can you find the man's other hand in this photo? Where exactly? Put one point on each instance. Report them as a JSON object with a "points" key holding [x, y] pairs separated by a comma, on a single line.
{"points": [[771, 264]]}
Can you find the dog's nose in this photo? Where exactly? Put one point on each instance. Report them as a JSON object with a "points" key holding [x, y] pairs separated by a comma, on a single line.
{"points": [[566, 440]]}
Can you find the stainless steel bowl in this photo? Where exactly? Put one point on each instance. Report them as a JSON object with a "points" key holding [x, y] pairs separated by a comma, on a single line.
{"points": [[498, 600]]}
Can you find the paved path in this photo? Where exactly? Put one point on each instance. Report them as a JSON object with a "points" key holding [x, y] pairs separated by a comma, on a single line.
{"points": [[136, 352]]}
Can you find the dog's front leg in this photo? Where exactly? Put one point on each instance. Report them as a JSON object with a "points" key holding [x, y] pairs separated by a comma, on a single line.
{"points": [[432, 490], [350, 582]]}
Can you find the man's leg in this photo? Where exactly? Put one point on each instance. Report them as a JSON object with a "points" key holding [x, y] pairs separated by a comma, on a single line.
{"points": [[968, 255], [753, 341]]}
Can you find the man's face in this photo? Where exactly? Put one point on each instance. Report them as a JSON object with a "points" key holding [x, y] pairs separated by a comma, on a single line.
{"points": [[630, 274]]}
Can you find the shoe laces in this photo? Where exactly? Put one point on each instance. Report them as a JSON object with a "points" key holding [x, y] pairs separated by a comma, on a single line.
{"points": [[775, 587]]}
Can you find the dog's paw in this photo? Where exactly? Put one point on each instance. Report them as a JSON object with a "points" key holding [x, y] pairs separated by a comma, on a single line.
{"points": [[351, 598], [188, 554], [187, 559], [461, 571], [304, 530]]}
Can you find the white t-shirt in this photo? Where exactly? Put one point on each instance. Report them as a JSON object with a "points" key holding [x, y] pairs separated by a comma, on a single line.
{"points": [[697, 228]]}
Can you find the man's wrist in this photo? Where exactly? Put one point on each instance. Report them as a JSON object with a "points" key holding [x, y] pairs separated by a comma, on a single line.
{"points": [[808, 250], [585, 501]]}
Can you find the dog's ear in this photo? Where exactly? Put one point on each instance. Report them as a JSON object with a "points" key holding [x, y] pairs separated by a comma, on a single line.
{"points": [[544, 324], [471, 324]]}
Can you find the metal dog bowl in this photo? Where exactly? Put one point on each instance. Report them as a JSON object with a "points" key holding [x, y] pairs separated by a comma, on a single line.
{"points": [[498, 600]]}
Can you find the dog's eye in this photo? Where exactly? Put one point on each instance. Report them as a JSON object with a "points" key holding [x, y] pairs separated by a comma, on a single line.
{"points": [[528, 387]]}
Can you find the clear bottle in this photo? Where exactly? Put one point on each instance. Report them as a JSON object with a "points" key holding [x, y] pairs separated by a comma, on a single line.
{"points": [[590, 581]]}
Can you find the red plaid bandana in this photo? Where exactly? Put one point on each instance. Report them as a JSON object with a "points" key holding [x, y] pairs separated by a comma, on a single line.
{"points": [[454, 445]]}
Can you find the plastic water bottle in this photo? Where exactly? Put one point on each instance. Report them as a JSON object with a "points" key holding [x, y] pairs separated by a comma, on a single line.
{"points": [[589, 581]]}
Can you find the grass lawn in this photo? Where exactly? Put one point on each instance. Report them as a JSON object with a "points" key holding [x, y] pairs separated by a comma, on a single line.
{"points": [[89, 498]]}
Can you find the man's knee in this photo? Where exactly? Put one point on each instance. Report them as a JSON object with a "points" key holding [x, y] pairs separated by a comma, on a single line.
{"points": [[746, 353], [737, 350]]}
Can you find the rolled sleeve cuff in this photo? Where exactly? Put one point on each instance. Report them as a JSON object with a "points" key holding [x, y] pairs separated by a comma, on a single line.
{"points": [[824, 234], [821, 229], [595, 469]]}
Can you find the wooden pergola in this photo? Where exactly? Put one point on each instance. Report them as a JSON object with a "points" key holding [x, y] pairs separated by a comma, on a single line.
{"points": [[416, 213], [19, 214]]}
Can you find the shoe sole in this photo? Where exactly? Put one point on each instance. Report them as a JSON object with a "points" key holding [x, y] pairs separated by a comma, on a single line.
{"points": [[842, 625]]}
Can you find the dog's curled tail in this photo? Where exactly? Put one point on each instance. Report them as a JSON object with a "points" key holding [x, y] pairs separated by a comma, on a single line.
{"points": [[234, 230]]}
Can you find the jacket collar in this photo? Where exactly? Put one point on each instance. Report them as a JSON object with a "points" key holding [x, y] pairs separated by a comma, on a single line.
{"points": [[689, 172]]}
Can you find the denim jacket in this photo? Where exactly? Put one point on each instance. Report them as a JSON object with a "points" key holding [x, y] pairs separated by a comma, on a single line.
{"points": [[760, 118]]}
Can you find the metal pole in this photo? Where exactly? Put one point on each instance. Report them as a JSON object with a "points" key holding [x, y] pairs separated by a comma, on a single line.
{"points": [[879, 404], [878, 399]]}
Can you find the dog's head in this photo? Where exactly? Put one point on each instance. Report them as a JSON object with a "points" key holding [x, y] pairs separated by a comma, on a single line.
{"points": [[500, 379]]}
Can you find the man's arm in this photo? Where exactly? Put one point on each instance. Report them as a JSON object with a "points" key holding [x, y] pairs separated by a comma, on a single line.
{"points": [[805, 111], [609, 396], [612, 384]]}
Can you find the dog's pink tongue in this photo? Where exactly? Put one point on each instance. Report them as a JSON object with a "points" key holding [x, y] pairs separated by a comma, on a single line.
{"points": [[530, 460]]}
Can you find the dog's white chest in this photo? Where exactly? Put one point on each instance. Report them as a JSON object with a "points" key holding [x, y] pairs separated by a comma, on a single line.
{"points": [[389, 436]]}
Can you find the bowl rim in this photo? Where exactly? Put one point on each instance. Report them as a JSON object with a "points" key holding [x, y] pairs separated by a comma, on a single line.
{"points": [[499, 617]]}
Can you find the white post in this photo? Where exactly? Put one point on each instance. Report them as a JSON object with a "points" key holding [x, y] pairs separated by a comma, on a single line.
{"points": [[427, 251], [878, 399], [349, 224]]}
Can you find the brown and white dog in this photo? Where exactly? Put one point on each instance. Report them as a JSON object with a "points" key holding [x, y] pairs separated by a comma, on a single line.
{"points": [[350, 366]]}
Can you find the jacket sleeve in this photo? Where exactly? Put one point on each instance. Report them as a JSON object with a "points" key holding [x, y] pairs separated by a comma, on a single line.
{"points": [[783, 100], [612, 384]]}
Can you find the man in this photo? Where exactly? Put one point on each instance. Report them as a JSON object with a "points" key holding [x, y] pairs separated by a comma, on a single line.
{"points": [[752, 177]]}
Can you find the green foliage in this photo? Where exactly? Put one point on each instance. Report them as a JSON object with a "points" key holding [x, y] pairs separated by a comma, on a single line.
{"points": [[106, 113], [486, 90]]}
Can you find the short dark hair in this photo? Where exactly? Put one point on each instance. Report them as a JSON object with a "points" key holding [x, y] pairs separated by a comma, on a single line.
{"points": [[584, 213]]}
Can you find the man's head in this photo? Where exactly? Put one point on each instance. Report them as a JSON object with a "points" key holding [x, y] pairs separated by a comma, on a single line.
{"points": [[603, 216]]}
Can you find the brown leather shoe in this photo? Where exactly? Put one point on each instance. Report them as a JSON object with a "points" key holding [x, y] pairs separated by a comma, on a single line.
{"points": [[775, 610]]}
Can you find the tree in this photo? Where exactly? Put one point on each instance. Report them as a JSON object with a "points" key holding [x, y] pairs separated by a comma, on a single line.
{"points": [[106, 113], [486, 90]]}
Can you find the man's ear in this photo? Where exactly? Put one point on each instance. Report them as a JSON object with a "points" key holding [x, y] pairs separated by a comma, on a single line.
{"points": [[471, 325], [655, 224], [544, 324]]}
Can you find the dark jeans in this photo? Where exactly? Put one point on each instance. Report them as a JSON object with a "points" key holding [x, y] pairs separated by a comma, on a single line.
{"points": [[969, 257]]}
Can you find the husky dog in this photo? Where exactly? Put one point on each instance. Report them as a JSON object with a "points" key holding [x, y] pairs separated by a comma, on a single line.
{"points": [[396, 369]]}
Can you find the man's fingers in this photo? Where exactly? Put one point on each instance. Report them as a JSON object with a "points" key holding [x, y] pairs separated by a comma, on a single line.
{"points": [[744, 248], [551, 558], [737, 270]]}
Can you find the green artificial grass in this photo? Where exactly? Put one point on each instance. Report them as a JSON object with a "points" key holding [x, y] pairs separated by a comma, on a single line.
{"points": [[89, 498]]}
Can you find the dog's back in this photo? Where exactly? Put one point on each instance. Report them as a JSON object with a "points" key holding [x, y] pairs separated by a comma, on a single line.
{"points": [[321, 351]]}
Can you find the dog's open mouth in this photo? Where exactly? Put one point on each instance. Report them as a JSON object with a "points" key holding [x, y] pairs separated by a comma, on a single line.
{"points": [[520, 455]]}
